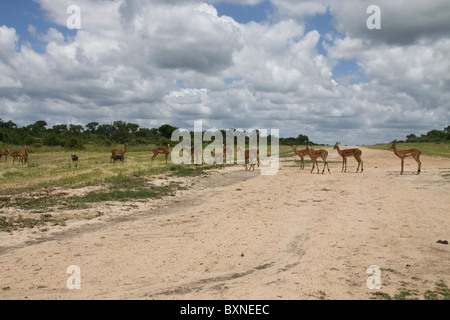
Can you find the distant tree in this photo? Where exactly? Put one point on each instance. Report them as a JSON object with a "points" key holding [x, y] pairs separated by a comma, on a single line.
{"points": [[60, 128], [75, 129], [435, 135], [411, 137], [120, 132], [132, 127], [447, 129], [92, 126], [104, 130], [166, 130], [38, 127], [302, 139], [7, 125]]}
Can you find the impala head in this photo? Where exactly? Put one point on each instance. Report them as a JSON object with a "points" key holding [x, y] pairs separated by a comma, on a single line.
{"points": [[392, 147]]}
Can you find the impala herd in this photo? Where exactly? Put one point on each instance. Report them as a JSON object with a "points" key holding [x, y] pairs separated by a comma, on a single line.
{"points": [[251, 156]]}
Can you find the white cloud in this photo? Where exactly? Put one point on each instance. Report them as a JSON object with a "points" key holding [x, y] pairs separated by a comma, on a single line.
{"points": [[130, 64]]}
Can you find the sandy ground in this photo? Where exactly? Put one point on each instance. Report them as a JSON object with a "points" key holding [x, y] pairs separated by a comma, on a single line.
{"points": [[240, 235]]}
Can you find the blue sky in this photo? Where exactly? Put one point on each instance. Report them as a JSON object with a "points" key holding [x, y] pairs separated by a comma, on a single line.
{"points": [[23, 13], [245, 14], [305, 67]]}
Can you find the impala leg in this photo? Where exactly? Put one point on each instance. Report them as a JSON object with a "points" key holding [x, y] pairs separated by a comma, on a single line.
{"points": [[359, 163]]}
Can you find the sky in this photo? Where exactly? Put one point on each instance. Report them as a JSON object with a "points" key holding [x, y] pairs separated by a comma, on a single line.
{"points": [[301, 66]]}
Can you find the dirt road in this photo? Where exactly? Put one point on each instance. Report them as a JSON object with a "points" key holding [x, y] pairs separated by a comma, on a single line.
{"points": [[240, 235]]}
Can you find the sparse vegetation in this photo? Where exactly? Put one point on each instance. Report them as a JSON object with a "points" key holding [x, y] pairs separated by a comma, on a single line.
{"points": [[43, 187], [405, 292]]}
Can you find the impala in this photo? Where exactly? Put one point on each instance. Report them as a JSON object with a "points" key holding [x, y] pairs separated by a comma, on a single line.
{"points": [[314, 154], [121, 152], [5, 153], [355, 152], [21, 155], [159, 150], [301, 154], [402, 154]]}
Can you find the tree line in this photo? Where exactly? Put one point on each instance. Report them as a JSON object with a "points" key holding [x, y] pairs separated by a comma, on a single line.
{"points": [[75, 137], [430, 136]]}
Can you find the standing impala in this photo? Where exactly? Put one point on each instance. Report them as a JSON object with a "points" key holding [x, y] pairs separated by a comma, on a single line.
{"points": [[402, 154], [355, 152], [301, 154], [159, 150], [314, 154]]}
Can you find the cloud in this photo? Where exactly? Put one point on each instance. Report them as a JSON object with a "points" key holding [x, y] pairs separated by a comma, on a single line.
{"points": [[156, 62]]}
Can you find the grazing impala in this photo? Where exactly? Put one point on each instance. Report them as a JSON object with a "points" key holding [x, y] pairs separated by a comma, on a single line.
{"points": [[355, 152], [159, 150], [402, 154], [115, 152], [5, 153], [21, 155]]}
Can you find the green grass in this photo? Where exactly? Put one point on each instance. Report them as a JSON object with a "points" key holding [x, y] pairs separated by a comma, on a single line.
{"points": [[427, 148], [441, 292], [32, 187]]}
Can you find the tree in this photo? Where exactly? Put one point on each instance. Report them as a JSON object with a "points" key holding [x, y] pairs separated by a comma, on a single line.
{"points": [[447, 129], [119, 131], [60, 128], [7, 125], [166, 130], [38, 127], [76, 129], [302, 139], [92, 126], [411, 137], [132, 127]]}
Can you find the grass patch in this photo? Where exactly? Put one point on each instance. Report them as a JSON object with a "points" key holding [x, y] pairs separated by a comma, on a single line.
{"points": [[441, 292], [19, 222]]}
